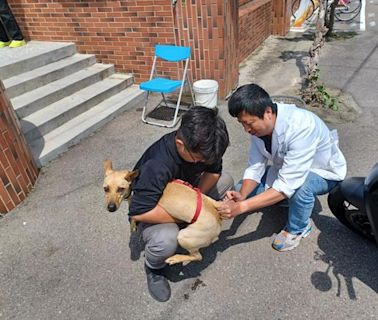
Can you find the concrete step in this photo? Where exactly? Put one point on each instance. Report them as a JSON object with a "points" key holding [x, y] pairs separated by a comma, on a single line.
{"points": [[14, 61], [41, 76], [61, 96], [56, 114], [39, 98], [70, 133]]}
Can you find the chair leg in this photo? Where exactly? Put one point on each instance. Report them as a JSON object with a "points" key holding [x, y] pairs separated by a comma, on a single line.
{"points": [[144, 118], [177, 108], [174, 121], [165, 101], [144, 112], [191, 93]]}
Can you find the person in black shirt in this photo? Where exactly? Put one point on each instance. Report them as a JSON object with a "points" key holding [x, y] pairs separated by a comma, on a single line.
{"points": [[193, 153]]}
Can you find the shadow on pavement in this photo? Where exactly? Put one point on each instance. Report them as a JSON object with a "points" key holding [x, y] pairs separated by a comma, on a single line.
{"points": [[347, 255], [272, 220], [298, 56]]}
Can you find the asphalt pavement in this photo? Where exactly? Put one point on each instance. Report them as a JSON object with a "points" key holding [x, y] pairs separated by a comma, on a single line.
{"points": [[63, 256]]}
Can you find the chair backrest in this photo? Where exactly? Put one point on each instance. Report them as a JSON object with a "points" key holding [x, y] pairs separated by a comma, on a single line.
{"points": [[172, 53]]}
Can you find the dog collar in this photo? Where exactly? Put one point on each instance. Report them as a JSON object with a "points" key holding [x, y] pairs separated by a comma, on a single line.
{"points": [[199, 198]]}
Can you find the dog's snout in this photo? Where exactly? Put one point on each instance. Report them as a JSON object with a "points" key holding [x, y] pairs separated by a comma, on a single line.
{"points": [[112, 207]]}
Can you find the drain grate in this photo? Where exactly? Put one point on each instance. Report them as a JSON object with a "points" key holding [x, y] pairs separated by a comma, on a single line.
{"points": [[164, 113], [167, 112], [289, 100]]}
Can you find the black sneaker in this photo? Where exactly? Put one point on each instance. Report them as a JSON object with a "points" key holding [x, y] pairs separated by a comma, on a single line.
{"points": [[158, 285]]}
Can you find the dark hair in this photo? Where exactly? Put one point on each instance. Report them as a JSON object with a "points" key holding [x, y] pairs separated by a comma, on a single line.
{"points": [[251, 99], [203, 131]]}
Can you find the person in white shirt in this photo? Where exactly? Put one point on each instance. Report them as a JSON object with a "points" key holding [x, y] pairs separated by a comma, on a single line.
{"points": [[293, 156]]}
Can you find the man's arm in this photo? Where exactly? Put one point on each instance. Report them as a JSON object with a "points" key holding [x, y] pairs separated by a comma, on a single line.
{"points": [[147, 190], [230, 209], [247, 187], [156, 215]]}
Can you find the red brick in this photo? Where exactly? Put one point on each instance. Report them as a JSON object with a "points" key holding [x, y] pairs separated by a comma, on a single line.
{"points": [[116, 22]]}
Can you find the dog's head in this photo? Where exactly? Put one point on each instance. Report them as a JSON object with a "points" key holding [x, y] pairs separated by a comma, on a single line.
{"points": [[117, 185]]}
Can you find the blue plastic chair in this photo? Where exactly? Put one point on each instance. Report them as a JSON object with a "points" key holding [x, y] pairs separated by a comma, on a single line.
{"points": [[174, 54]]}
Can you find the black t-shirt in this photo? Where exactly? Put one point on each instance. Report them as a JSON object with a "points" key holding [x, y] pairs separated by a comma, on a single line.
{"points": [[158, 165]]}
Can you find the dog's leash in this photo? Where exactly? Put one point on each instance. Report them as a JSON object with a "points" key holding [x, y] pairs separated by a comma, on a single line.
{"points": [[199, 198]]}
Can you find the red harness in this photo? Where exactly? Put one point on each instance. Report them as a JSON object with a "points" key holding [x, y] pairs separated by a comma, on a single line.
{"points": [[199, 198]]}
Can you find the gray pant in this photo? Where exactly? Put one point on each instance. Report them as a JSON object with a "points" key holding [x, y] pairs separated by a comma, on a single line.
{"points": [[161, 239]]}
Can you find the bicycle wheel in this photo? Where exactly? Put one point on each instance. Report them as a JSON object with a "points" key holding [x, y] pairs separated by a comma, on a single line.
{"points": [[309, 11], [348, 12], [294, 7]]}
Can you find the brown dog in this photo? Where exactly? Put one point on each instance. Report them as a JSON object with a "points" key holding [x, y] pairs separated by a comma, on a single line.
{"points": [[180, 201]]}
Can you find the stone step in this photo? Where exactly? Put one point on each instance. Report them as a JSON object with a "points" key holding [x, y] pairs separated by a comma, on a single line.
{"points": [[70, 133], [39, 98], [14, 61], [46, 74], [56, 114]]}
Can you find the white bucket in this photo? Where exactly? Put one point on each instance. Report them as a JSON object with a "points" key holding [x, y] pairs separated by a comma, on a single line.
{"points": [[206, 93]]}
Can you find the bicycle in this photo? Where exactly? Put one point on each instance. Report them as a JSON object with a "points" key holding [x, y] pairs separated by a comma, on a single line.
{"points": [[346, 10], [309, 10], [349, 10]]}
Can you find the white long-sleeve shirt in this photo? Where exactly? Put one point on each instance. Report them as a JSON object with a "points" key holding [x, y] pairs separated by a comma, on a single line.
{"points": [[301, 142]]}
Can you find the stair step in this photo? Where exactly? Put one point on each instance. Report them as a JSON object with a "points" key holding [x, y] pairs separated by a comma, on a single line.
{"points": [[18, 85], [56, 114], [14, 61], [39, 98], [59, 140]]}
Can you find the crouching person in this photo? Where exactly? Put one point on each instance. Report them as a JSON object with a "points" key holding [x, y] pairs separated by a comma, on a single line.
{"points": [[193, 154], [293, 156]]}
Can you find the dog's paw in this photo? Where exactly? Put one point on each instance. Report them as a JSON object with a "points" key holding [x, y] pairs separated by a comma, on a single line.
{"points": [[173, 260], [133, 226]]}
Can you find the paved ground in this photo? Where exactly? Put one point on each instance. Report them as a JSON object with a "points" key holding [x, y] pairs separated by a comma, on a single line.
{"points": [[62, 256]]}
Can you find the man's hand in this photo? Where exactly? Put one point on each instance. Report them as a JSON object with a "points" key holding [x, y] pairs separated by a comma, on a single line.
{"points": [[233, 195], [228, 209], [231, 208]]}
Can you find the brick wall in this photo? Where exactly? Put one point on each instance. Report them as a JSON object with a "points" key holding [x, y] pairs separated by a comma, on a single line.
{"points": [[124, 32], [119, 32], [243, 2], [254, 26], [18, 171], [210, 28], [281, 17]]}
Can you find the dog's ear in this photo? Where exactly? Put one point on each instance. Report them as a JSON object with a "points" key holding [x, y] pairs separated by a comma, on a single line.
{"points": [[131, 175], [108, 167]]}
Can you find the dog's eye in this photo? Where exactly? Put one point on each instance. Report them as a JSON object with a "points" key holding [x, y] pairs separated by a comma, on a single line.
{"points": [[120, 190], [106, 189]]}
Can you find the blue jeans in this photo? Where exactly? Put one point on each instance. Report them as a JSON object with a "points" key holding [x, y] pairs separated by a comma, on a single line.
{"points": [[302, 202]]}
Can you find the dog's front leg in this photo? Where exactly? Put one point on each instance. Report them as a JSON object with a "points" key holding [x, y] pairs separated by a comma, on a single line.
{"points": [[180, 258], [133, 226]]}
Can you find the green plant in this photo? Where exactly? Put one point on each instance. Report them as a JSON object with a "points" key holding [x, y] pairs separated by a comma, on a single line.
{"points": [[327, 98], [316, 94]]}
